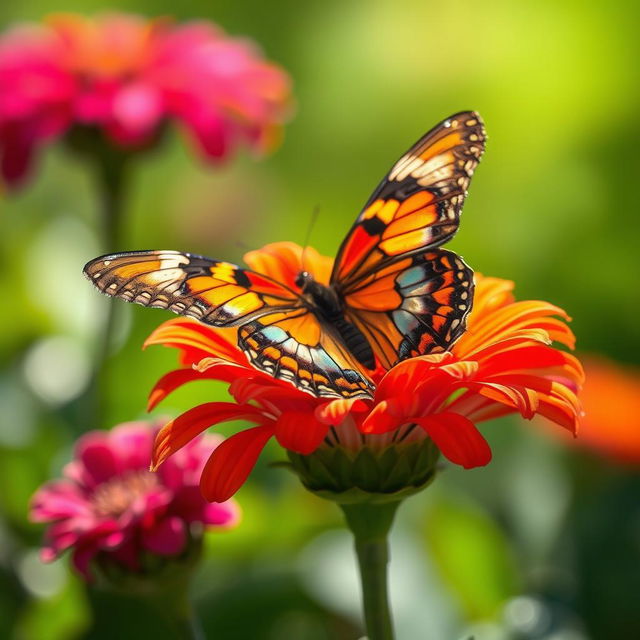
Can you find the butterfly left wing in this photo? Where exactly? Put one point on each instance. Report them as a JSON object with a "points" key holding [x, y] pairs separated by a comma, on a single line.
{"points": [[215, 293], [278, 334], [416, 306], [417, 205], [298, 347]]}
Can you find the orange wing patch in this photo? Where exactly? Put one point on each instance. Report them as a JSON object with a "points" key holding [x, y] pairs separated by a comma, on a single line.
{"points": [[420, 307]]}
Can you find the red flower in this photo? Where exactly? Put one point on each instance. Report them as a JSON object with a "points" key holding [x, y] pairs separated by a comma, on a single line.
{"points": [[111, 507], [127, 76], [503, 364]]}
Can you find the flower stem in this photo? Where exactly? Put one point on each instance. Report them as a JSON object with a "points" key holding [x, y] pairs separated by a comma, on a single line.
{"points": [[162, 614], [370, 525], [110, 169]]}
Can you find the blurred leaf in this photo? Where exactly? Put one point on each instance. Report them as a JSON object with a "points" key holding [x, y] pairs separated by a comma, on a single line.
{"points": [[472, 554], [60, 617]]}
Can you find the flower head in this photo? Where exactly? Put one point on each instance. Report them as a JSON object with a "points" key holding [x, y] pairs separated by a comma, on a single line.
{"points": [[126, 77], [110, 508], [503, 364]]}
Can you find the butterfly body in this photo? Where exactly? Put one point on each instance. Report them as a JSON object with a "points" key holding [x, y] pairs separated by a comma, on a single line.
{"points": [[328, 307], [392, 292]]}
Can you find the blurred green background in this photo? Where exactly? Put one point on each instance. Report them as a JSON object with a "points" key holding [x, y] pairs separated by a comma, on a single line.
{"points": [[542, 544]]}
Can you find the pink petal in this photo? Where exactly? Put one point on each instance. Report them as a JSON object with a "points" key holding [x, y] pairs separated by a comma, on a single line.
{"points": [[457, 438], [132, 443], [113, 540], [224, 514], [137, 109], [16, 151], [168, 537], [82, 556], [97, 456], [210, 131], [61, 499]]}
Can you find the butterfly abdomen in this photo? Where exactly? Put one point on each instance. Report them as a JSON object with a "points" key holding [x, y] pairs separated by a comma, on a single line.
{"points": [[355, 341], [327, 304]]}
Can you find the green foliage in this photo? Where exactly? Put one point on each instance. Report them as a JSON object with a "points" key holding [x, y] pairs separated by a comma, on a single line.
{"points": [[473, 556]]}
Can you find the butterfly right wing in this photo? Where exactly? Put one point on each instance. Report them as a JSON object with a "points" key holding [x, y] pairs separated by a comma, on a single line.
{"points": [[417, 205], [215, 293]]}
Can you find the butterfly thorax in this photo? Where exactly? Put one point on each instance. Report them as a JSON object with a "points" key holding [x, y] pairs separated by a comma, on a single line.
{"points": [[319, 296], [328, 307]]}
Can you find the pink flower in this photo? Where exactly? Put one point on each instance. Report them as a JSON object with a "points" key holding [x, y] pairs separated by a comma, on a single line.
{"points": [[109, 506], [127, 76]]}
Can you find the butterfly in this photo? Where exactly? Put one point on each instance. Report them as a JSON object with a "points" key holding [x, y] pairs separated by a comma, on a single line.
{"points": [[393, 293]]}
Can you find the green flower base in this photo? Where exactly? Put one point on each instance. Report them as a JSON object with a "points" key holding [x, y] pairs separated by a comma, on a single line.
{"points": [[368, 475]]}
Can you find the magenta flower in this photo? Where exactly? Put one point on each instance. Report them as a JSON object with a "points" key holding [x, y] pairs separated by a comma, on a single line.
{"points": [[110, 507], [127, 77]]}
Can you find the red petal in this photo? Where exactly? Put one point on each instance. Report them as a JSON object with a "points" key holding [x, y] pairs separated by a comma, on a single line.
{"points": [[261, 387], [382, 419], [170, 382], [522, 359], [335, 411], [231, 462], [197, 341], [175, 434], [560, 412], [523, 400], [300, 432], [458, 439]]}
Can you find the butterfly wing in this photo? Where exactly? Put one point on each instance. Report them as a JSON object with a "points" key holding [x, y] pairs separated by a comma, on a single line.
{"points": [[277, 332], [297, 346], [216, 293], [415, 306], [406, 296], [417, 205]]}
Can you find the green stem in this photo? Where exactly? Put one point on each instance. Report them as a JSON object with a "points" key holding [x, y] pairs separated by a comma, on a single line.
{"points": [[370, 525], [110, 175], [161, 614], [179, 616]]}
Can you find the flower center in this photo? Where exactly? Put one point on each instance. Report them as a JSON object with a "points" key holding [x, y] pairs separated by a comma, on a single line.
{"points": [[114, 497], [348, 436]]}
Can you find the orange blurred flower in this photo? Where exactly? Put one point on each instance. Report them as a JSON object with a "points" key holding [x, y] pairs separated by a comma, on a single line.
{"points": [[126, 77], [503, 364], [610, 425]]}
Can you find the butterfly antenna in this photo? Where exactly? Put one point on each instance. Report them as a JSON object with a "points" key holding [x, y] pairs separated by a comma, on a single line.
{"points": [[314, 217]]}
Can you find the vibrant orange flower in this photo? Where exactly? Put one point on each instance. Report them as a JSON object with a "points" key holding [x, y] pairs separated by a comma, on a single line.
{"points": [[503, 364], [611, 398]]}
